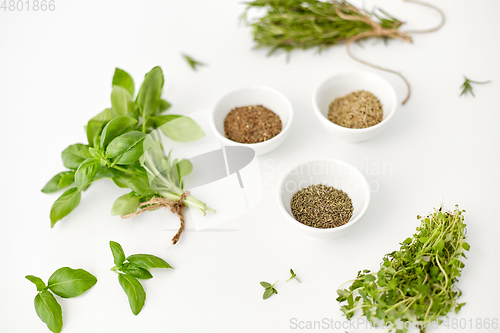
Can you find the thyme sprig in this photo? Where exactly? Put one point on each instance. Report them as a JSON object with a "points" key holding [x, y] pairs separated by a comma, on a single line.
{"points": [[467, 88]]}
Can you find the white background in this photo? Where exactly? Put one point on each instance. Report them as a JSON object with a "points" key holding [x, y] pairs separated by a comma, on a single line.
{"points": [[55, 74]]}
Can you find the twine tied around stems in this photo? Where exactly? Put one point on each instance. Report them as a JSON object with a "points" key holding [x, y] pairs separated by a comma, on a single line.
{"points": [[174, 206]]}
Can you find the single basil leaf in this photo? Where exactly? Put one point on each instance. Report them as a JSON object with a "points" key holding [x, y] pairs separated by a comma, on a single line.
{"points": [[116, 127], [105, 172], [86, 172], [118, 253], [124, 142], [125, 205], [95, 126], [268, 293], [64, 205], [121, 101], [123, 79], [148, 98], [135, 293], [121, 180], [162, 120], [265, 284], [74, 155], [132, 155], [148, 261], [183, 129], [67, 179], [135, 271], [40, 285], [164, 106], [67, 282], [54, 184], [49, 311], [140, 184], [184, 167]]}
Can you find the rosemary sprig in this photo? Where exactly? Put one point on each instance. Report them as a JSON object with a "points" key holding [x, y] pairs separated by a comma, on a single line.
{"points": [[192, 63], [466, 86]]}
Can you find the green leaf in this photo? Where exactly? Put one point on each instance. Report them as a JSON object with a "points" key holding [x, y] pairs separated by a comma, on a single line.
{"points": [[118, 253], [67, 282], [64, 205], [55, 183], [148, 261], [268, 293], [162, 120], [49, 311], [123, 79], [369, 278], [407, 241], [116, 127], [140, 184], [184, 167], [124, 205], [67, 179], [163, 106], [192, 63], [380, 313], [40, 285], [121, 180], [74, 155], [183, 129], [265, 284], [127, 148], [135, 293], [86, 172], [95, 126], [466, 246], [122, 103], [149, 95], [135, 271]]}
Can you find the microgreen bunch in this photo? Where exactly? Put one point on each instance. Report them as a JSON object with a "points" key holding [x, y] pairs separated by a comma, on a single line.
{"points": [[131, 268], [416, 283], [192, 63], [66, 283], [467, 88], [269, 289]]}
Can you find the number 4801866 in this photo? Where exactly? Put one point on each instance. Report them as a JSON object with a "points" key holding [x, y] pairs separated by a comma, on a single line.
{"points": [[28, 5]]}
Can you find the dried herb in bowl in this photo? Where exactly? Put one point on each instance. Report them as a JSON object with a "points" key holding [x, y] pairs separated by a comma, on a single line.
{"points": [[252, 124], [321, 206], [359, 109]]}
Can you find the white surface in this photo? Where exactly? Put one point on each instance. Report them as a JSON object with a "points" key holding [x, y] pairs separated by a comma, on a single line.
{"points": [[55, 73], [329, 172], [344, 83], [254, 95]]}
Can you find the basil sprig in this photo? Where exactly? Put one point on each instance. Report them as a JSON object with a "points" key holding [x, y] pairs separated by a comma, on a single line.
{"points": [[66, 283], [130, 269]]}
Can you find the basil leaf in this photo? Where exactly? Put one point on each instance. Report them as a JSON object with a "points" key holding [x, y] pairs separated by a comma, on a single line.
{"points": [[55, 183], [162, 120], [148, 261], [49, 311], [123, 79], [135, 293], [124, 205], [121, 101], [118, 253], [183, 129], [115, 127], [265, 284], [40, 285], [67, 282], [121, 180], [184, 167], [135, 271], [105, 172], [140, 184], [67, 179], [125, 142], [64, 205], [74, 155], [163, 106], [268, 293], [95, 126], [86, 172], [149, 95]]}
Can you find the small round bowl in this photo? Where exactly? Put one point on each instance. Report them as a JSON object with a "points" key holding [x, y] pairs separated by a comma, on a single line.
{"points": [[342, 84], [255, 95], [326, 171]]}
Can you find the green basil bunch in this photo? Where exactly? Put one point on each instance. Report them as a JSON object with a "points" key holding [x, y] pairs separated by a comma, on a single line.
{"points": [[116, 143], [66, 283]]}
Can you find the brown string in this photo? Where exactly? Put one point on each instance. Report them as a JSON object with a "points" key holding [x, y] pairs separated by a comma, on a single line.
{"points": [[379, 31], [174, 206]]}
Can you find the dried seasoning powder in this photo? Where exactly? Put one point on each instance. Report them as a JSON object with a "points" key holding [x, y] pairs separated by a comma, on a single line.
{"points": [[321, 206], [251, 124], [359, 109]]}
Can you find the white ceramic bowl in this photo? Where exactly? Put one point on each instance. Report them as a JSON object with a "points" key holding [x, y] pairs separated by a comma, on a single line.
{"points": [[342, 84], [255, 95], [331, 172]]}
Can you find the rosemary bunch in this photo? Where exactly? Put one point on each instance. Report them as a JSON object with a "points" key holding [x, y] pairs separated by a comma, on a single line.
{"points": [[417, 283], [298, 24]]}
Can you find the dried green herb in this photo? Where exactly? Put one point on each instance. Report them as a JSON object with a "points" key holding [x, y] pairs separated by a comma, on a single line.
{"points": [[251, 124], [192, 63], [417, 283], [359, 109], [467, 88], [321, 206]]}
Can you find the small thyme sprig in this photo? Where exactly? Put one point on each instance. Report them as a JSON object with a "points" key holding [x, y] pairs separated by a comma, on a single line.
{"points": [[192, 63], [466, 86]]}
